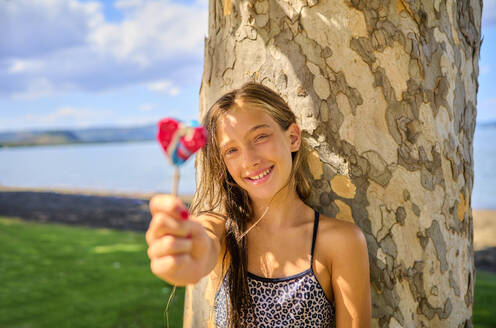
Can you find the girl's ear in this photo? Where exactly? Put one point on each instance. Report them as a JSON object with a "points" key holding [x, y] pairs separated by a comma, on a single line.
{"points": [[294, 134]]}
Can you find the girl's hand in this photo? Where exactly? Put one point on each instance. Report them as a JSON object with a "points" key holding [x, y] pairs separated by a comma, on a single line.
{"points": [[177, 245]]}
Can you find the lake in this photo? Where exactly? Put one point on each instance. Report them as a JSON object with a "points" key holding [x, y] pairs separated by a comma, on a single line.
{"points": [[123, 167], [141, 167]]}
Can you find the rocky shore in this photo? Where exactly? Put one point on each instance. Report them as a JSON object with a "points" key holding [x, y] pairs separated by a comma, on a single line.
{"points": [[85, 208], [118, 212], [130, 212]]}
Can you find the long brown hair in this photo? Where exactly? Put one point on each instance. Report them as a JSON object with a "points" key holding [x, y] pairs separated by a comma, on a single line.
{"points": [[218, 193]]}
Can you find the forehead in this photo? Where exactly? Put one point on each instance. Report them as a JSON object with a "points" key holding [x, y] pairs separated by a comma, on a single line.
{"points": [[239, 120]]}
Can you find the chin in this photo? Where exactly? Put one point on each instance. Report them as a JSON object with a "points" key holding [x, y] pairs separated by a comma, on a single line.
{"points": [[262, 195]]}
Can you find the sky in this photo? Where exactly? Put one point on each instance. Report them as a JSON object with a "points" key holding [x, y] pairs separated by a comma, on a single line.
{"points": [[89, 63]]}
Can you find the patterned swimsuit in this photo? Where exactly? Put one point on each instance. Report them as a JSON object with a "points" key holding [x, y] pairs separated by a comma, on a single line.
{"points": [[294, 301]]}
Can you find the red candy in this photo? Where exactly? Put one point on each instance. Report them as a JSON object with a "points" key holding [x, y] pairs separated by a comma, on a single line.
{"points": [[179, 140]]}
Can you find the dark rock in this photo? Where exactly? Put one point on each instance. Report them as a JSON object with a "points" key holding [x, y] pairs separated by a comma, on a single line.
{"points": [[485, 259], [115, 212]]}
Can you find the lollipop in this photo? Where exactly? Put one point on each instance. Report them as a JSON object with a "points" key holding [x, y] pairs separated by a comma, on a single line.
{"points": [[179, 141]]}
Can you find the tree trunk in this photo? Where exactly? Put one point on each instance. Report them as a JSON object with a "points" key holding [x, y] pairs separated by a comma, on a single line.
{"points": [[386, 94]]}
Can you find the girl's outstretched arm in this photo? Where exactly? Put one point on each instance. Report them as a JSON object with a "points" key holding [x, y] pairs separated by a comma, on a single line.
{"points": [[182, 250], [214, 226], [350, 278]]}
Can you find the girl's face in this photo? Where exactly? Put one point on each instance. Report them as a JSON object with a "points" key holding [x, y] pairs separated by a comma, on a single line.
{"points": [[256, 151]]}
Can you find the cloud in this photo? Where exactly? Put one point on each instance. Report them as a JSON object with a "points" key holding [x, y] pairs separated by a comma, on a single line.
{"points": [[486, 110], [489, 13], [62, 117], [490, 102], [138, 120], [69, 117], [72, 47], [163, 86], [34, 88], [147, 107], [35, 27], [152, 31], [124, 4], [71, 113], [20, 65], [485, 69], [73, 116]]}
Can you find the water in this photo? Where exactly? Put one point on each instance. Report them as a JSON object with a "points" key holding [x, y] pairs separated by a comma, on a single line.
{"points": [[142, 167], [484, 192], [121, 167]]}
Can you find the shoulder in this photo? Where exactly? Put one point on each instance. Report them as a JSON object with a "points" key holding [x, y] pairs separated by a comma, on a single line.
{"points": [[341, 240], [332, 229], [346, 255]]}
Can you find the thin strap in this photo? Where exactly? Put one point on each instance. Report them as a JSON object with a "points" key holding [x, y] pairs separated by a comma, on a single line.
{"points": [[315, 227]]}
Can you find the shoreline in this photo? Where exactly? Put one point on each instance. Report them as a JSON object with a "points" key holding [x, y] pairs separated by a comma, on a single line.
{"points": [[484, 228], [101, 203], [91, 192]]}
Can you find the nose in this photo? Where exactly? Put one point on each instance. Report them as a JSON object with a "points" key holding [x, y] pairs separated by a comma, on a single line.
{"points": [[251, 157]]}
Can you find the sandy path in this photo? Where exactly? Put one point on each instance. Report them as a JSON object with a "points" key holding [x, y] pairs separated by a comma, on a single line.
{"points": [[484, 228]]}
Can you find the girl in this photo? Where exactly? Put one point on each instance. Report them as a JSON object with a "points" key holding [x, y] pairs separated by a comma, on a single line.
{"points": [[282, 263]]}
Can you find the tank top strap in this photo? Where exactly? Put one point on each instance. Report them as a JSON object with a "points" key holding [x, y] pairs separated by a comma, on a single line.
{"points": [[314, 236]]}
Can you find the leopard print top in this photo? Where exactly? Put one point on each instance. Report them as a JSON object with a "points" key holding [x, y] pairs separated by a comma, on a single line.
{"points": [[294, 301]]}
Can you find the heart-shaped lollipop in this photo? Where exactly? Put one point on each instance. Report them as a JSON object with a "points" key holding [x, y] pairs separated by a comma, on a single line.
{"points": [[180, 140]]}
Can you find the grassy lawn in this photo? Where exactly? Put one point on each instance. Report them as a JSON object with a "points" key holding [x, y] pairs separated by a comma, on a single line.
{"points": [[485, 300], [62, 276]]}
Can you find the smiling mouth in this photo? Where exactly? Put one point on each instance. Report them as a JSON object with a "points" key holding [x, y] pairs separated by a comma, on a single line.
{"points": [[262, 176]]}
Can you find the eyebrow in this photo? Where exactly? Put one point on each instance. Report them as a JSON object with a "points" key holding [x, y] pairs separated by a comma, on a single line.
{"points": [[256, 127]]}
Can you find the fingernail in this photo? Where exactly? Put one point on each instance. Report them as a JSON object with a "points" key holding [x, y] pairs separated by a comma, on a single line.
{"points": [[189, 236], [184, 214]]}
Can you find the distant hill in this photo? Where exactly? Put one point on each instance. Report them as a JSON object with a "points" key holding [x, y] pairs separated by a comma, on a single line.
{"points": [[487, 124], [90, 135]]}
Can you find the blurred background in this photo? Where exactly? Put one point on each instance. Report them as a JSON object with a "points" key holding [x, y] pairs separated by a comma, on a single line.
{"points": [[82, 85], [72, 69]]}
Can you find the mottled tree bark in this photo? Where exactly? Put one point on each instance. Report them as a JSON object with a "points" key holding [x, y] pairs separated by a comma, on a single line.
{"points": [[386, 94]]}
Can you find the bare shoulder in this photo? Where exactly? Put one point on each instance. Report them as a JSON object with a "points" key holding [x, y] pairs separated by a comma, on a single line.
{"points": [[341, 239], [340, 230], [346, 256]]}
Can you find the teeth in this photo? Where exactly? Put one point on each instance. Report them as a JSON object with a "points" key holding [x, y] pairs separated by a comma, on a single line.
{"points": [[260, 176]]}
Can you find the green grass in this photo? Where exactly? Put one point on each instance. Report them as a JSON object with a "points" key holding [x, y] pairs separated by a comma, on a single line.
{"points": [[485, 300], [62, 276]]}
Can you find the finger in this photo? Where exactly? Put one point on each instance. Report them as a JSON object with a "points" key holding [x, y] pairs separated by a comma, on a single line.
{"points": [[163, 224], [168, 204], [166, 264], [169, 245]]}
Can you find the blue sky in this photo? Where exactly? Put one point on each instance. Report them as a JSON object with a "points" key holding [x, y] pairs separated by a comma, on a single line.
{"points": [[81, 63]]}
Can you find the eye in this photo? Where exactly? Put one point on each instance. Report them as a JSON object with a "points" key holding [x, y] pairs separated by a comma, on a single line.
{"points": [[230, 151], [261, 137]]}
